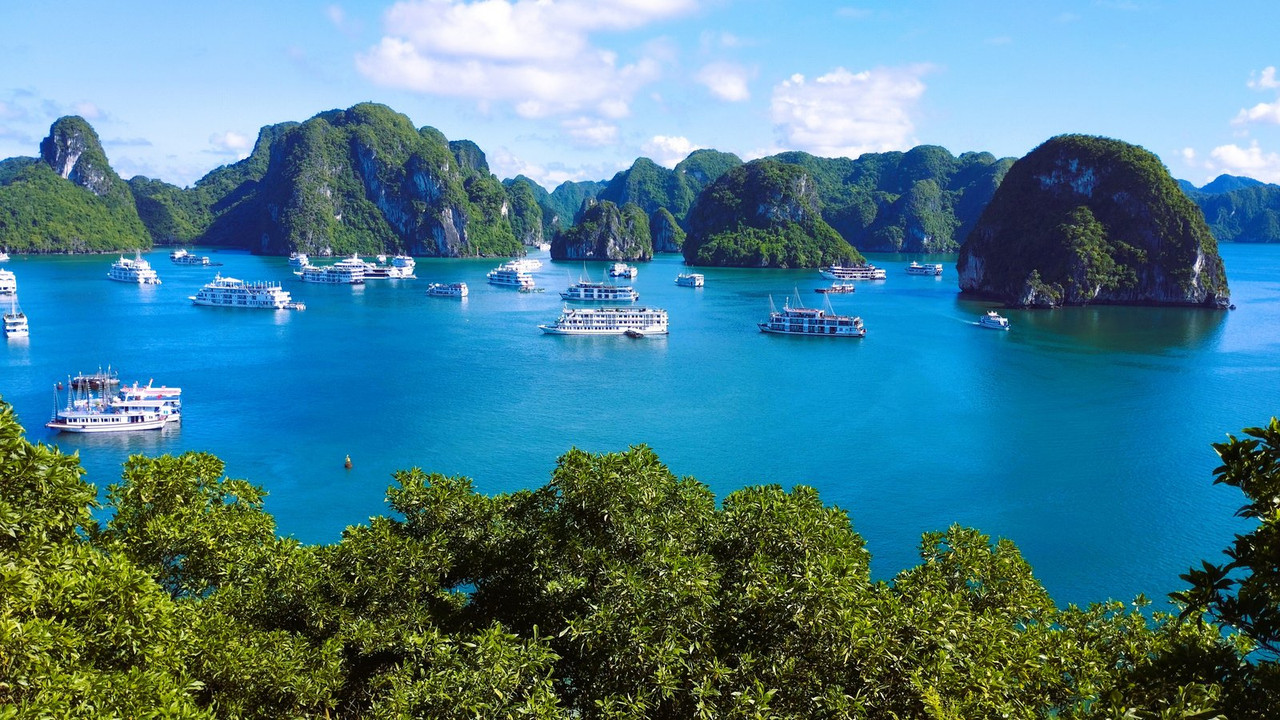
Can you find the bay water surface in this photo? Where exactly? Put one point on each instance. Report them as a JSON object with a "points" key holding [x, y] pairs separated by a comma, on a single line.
{"points": [[1082, 434]]}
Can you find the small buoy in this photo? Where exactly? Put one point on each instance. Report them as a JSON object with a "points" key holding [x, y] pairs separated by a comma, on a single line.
{"points": [[347, 464]]}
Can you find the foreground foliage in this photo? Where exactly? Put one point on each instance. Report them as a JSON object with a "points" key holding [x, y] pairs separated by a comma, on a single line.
{"points": [[615, 590]]}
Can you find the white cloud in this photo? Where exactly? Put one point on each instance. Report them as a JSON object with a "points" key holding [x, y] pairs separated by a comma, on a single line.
{"points": [[87, 110], [535, 54], [1267, 81], [726, 81], [590, 132], [230, 143], [1249, 162], [1189, 154], [848, 114], [1268, 113], [668, 150]]}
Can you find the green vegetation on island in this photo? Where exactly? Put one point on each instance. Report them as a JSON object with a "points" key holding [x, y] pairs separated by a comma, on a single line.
{"points": [[605, 231], [652, 186], [765, 213], [922, 200], [1085, 219], [615, 590], [1239, 209], [69, 199]]}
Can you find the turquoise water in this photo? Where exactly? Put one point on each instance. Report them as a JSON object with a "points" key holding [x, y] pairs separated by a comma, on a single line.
{"points": [[1082, 434]]}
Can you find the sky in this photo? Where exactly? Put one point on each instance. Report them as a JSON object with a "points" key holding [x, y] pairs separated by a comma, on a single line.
{"points": [[578, 89]]}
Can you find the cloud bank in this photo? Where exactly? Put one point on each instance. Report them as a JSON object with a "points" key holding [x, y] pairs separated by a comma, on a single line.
{"points": [[848, 114]]}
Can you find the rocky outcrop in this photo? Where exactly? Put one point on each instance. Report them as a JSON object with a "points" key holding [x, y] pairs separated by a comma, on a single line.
{"points": [[365, 180], [763, 214], [668, 236], [69, 199], [1087, 220], [605, 231], [74, 152]]}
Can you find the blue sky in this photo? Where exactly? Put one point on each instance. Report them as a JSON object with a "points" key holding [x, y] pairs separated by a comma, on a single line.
{"points": [[575, 89]]}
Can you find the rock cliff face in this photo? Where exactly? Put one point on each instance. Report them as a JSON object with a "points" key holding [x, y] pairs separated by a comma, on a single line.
{"points": [[763, 214], [364, 180], [605, 231], [1087, 220], [668, 236], [73, 150]]}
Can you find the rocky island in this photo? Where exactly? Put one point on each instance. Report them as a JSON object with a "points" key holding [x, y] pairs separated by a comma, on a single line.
{"points": [[1089, 220]]}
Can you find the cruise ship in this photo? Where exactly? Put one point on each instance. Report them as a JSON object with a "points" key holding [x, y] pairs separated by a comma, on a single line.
{"points": [[691, 280], [526, 264], [183, 257], [508, 275], [837, 288], [590, 291], [15, 322], [230, 292], [298, 260], [811, 321], [8, 283], [992, 320], [4, 256], [167, 401], [916, 268], [853, 272], [134, 270], [132, 408], [399, 267], [609, 321], [453, 290], [341, 273], [623, 270]]}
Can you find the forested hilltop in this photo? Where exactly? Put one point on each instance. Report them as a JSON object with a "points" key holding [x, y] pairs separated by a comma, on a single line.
{"points": [[1239, 209], [1084, 219], [615, 590], [365, 180]]}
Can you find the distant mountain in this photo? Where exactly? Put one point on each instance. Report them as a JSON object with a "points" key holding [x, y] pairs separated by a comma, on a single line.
{"points": [[1089, 220], [922, 200], [765, 213], [69, 199], [652, 186], [1222, 184], [1239, 209]]}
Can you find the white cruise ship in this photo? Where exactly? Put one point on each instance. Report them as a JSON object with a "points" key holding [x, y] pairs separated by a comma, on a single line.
{"points": [[230, 292], [4, 256], [8, 283], [623, 270], [811, 321], [853, 272], [508, 275], [341, 273], [993, 320], [166, 401], [453, 290], [525, 264], [590, 291], [15, 322], [132, 408], [691, 280], [609, 321], [916, 268], [135, 270], [298, 260], [183, 257], [399, 267]]}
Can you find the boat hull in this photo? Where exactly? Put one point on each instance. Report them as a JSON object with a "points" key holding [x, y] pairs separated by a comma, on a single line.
{"points": [[765, 328], [553, 330], [77, 425]]}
